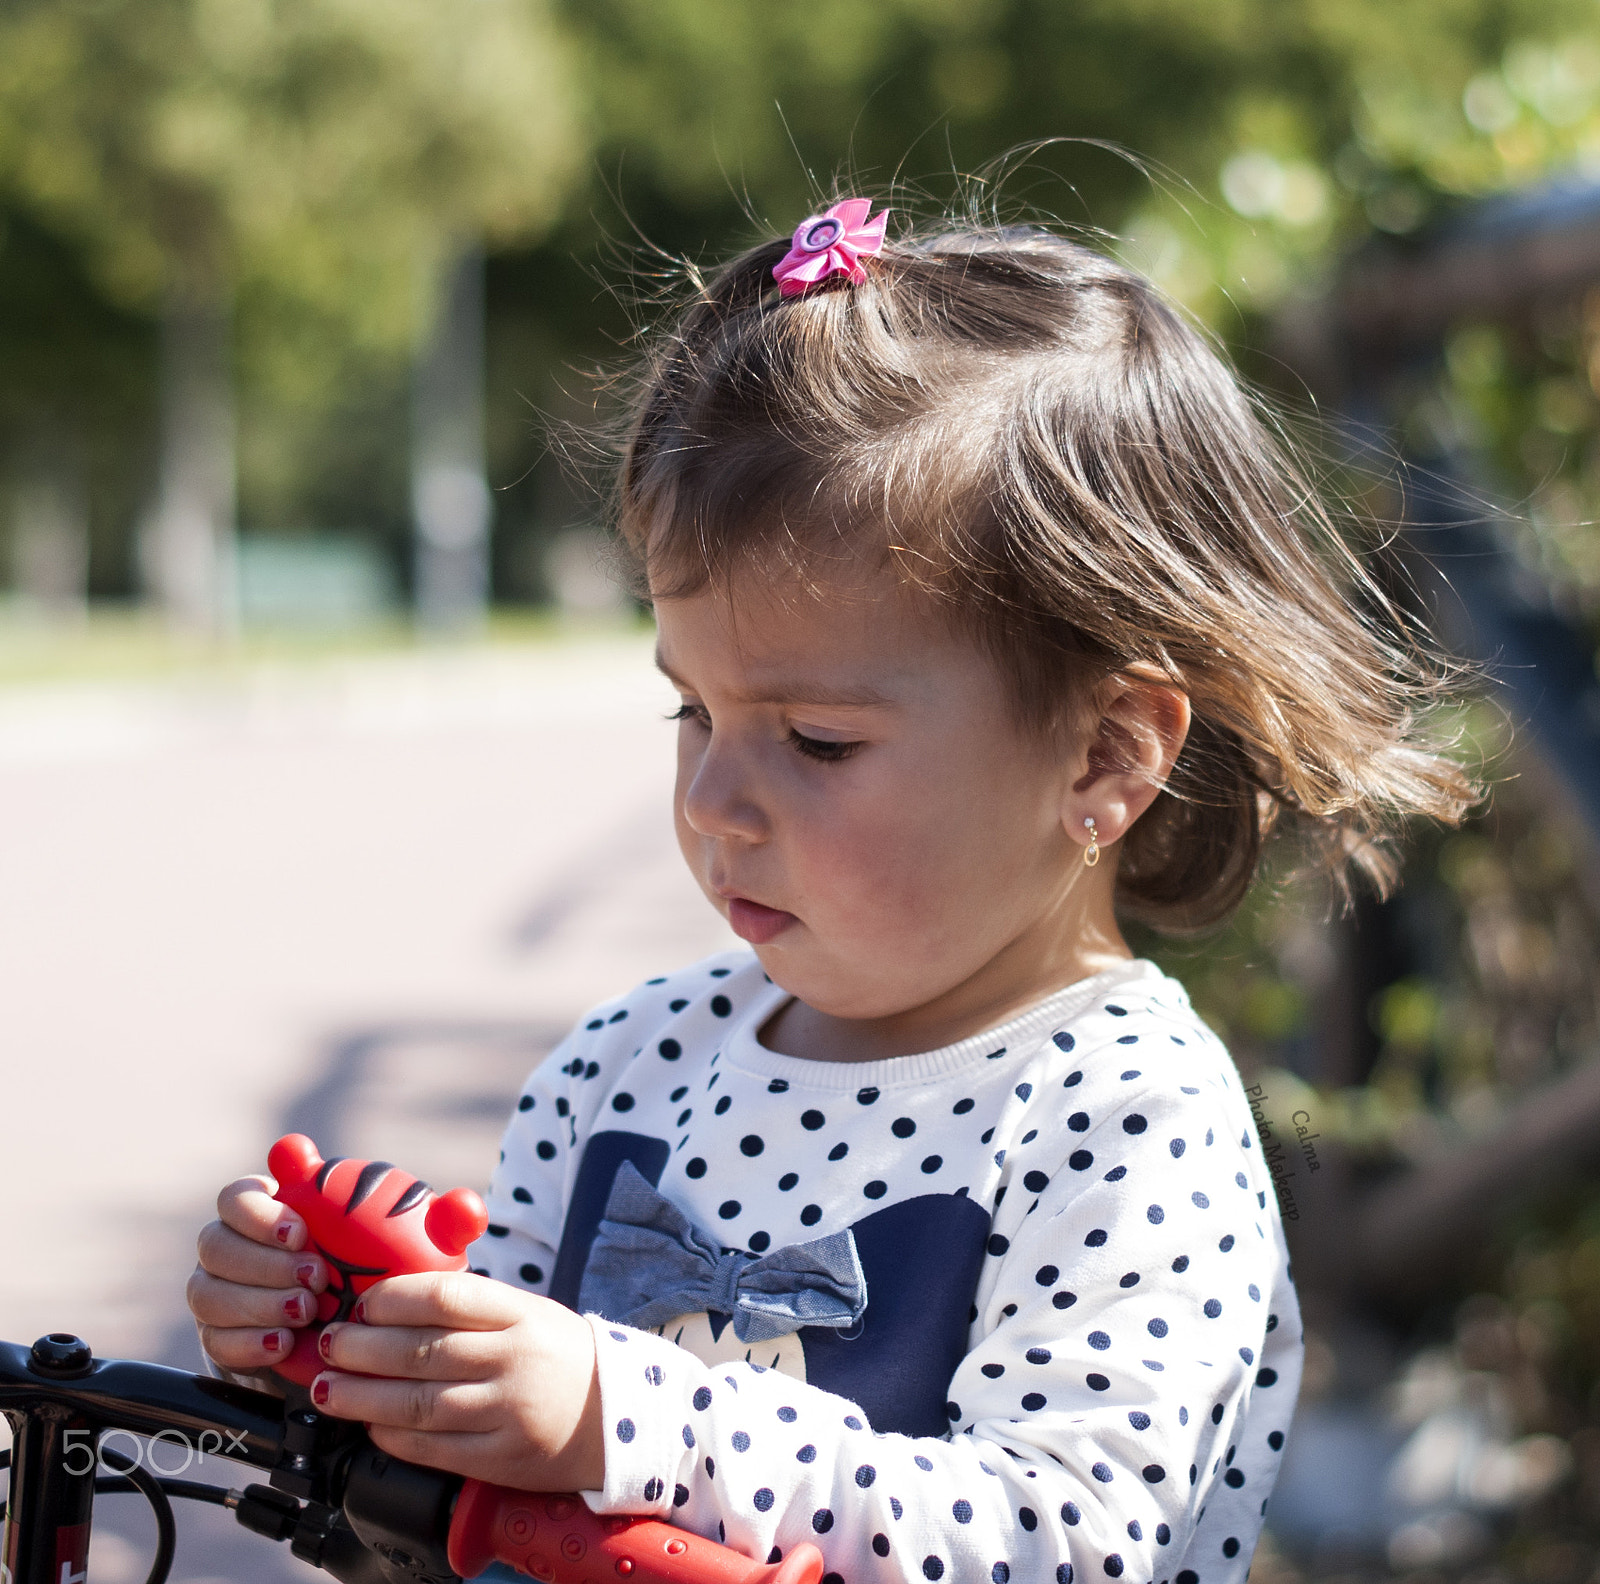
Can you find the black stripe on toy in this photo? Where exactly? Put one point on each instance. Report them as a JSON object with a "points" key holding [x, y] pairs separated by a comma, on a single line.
{"points": [[372, 1174], [327, 1169], [410, 1199]]}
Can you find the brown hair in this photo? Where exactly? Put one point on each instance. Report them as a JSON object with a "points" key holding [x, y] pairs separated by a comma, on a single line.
{"points": [[1028, 432]]}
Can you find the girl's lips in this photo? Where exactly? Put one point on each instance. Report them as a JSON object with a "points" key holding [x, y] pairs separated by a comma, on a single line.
{"points": [[757, 924]]}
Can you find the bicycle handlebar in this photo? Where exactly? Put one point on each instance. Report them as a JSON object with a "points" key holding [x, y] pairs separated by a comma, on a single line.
{"points": [[343, 1505]]}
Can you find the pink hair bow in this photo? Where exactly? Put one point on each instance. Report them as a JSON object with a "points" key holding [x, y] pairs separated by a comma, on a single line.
{"points": [[831, 243]]}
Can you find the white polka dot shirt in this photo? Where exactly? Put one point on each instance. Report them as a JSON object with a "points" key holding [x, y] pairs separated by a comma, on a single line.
{"points": [[1080, 1349]]}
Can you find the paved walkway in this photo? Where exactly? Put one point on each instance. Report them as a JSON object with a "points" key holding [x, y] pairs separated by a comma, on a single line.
{"points": [[359, 899]]}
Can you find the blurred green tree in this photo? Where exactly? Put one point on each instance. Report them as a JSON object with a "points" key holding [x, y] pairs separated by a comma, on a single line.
{"points": [[322, 155]]}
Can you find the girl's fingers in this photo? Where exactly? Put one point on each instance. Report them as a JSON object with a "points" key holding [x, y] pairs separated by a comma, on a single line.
{"points": [[455, 1300], [249, 1208], [227, 1254], [246, 1350], [458, 1452], [419, 1405], [231, 1305], [411, 1352]]}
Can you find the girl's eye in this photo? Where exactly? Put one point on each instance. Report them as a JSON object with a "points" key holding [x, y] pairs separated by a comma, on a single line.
{"points": [[817, 748], [690, 712]]}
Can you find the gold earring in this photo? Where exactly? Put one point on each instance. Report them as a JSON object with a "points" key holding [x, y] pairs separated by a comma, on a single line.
{"points": [[1091, 854]]}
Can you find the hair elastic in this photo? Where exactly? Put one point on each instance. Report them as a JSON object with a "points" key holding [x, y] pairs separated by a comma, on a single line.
{"points": [[831, 244]]}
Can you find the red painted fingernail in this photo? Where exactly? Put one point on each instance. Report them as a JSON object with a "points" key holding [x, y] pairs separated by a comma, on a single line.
{"points": [[272, 1341], [294, 1307], [360, 1315], [319, 1391], [283, 1231], [324, 1344], [306, 1274]]}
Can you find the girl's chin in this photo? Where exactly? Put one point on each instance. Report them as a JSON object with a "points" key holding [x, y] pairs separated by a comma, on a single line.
{"points": [[757, 924]]}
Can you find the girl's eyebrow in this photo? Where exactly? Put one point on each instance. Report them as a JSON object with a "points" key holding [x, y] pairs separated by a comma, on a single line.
{"points": [[858, 697]]}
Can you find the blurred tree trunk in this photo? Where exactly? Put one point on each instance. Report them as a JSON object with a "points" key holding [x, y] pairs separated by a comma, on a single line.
{"points": [[188, 549], [449, 493], [50, 527]]}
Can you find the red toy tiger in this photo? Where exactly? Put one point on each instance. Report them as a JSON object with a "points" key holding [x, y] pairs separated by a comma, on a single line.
{"points": [[368, 1220]]}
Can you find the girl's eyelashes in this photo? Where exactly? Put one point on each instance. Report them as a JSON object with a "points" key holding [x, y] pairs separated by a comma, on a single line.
{"points": [[818, 748]]}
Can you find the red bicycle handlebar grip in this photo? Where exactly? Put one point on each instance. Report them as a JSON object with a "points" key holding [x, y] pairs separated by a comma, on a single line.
{"points": [[557, 1540]]}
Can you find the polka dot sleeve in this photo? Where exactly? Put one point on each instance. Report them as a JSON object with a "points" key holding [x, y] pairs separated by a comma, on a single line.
{"points": [[1120, 1336], [528, 1189], [554, 1115]]}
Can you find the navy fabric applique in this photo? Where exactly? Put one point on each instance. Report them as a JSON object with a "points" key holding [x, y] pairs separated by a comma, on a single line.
{"points": [[920, 1258]]}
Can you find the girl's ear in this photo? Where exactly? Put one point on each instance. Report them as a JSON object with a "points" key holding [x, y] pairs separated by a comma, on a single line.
{"points": [[1133, 744]]}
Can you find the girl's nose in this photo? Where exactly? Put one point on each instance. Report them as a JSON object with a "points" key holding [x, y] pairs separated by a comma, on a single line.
{"points": [[720, 800]]}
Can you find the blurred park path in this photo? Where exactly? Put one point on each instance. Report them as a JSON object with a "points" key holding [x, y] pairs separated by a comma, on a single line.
{"points": [[359, 898]]}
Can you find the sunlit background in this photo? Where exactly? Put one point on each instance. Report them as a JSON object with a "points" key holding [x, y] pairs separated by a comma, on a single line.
{"points": [[332, 772]]}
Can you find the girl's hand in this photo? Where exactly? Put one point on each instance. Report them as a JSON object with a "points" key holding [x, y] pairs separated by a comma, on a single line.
{"points": [[253, 1287], [479, 1379]]}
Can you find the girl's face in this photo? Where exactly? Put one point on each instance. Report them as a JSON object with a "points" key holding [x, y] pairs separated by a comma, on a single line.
{"points": [[856, 798]]}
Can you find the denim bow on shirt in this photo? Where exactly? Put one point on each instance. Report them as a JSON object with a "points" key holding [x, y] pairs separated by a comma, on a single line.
{"points": [[649, 1264]]}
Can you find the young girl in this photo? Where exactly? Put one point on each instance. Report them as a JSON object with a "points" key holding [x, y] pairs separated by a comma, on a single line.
{"points": [[935, 1228]]}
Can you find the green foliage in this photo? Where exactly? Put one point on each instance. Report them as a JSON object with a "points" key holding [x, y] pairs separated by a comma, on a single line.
{"points": [[324, 148]]}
